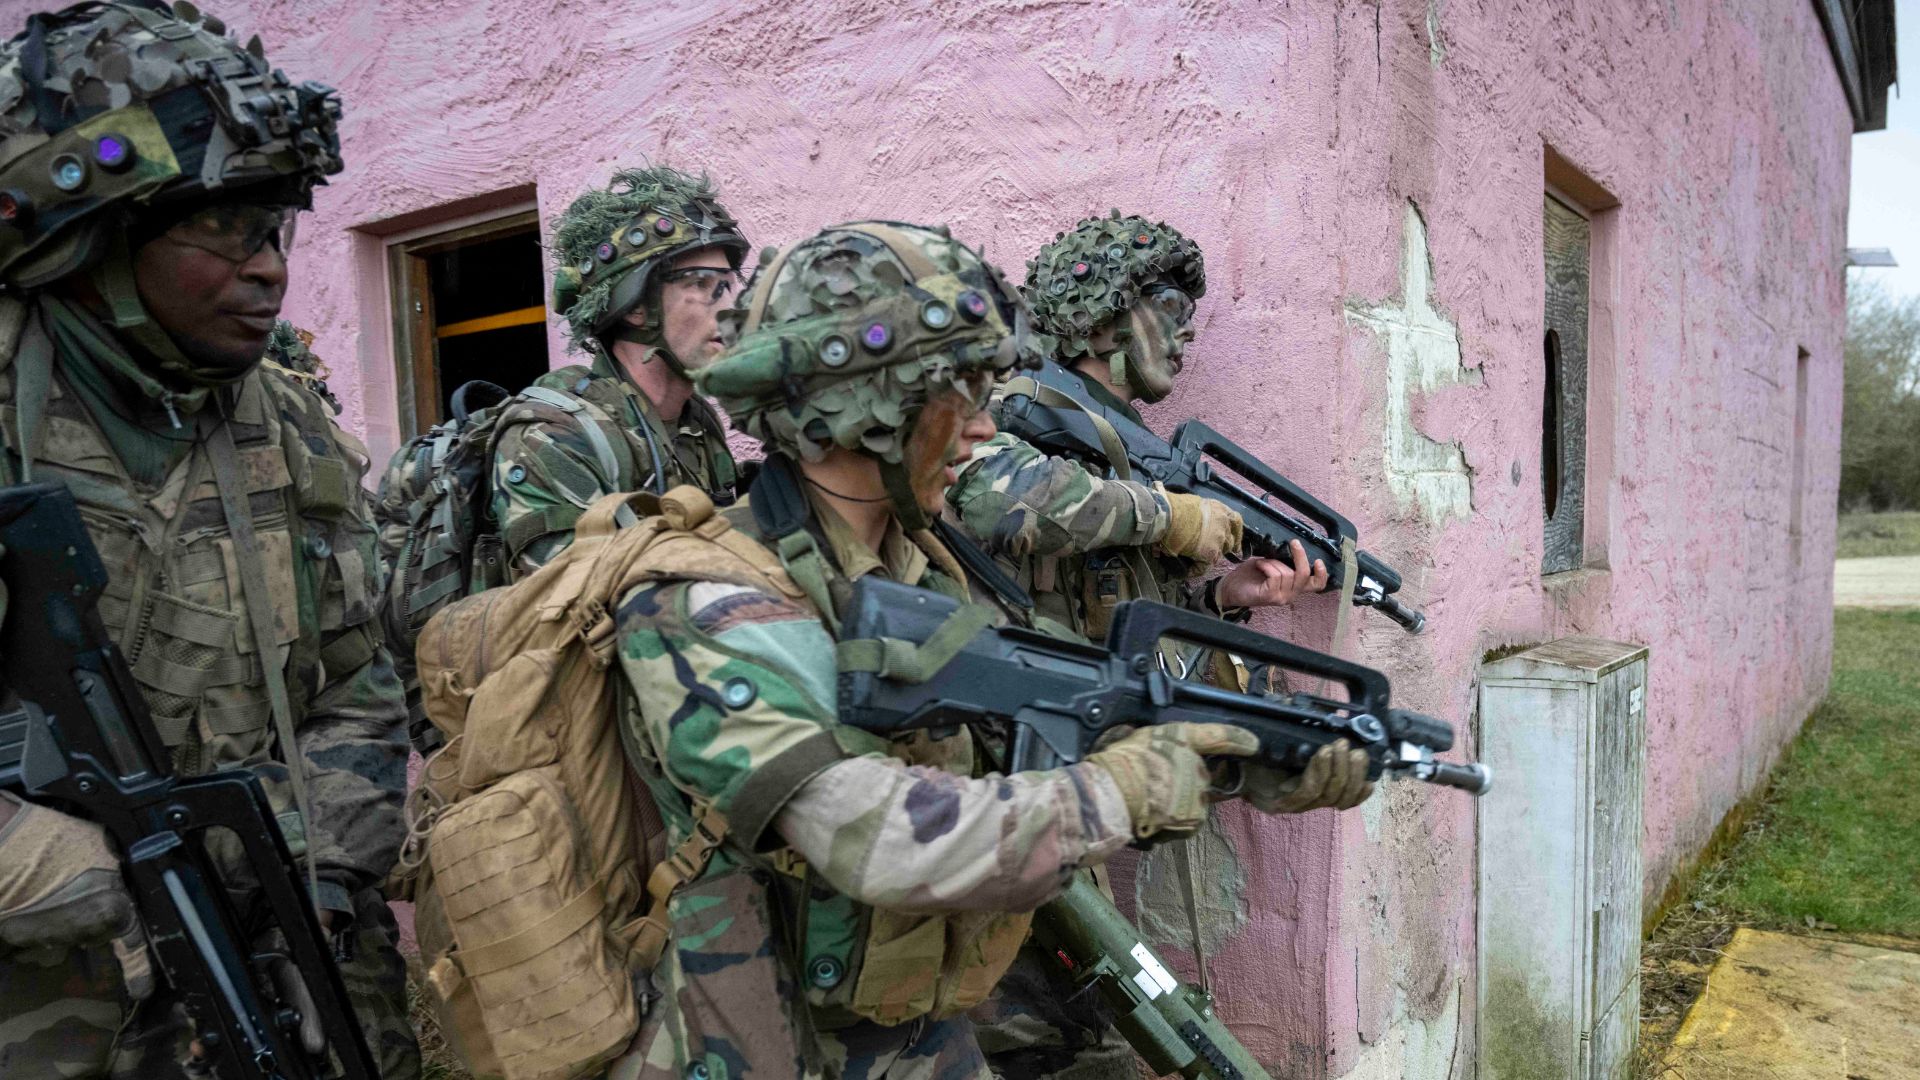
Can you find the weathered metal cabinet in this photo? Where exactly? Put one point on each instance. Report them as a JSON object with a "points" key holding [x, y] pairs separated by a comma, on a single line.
{"points": [[1563, 726]]}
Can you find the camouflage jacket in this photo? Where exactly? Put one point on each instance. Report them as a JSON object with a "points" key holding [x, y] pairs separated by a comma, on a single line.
{"points": [[545, 475], [174, 601], [901, 849], [1077, 539]]}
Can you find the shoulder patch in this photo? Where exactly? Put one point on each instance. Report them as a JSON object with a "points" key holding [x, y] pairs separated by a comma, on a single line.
{"points": [[715, 607]]}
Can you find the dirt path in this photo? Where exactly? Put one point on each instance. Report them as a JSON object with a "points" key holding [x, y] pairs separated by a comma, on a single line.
{"points": [[1887, 581]]}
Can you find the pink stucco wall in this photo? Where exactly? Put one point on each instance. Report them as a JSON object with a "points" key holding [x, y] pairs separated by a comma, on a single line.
{"points": [[1288, 139]]}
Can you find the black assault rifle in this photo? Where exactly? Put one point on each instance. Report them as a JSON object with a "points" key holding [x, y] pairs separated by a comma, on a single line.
{"points": [[81, 740], [1278, 513], [914, 659]]}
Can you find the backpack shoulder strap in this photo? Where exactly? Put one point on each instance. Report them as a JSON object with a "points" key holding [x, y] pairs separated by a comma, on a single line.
{"points": [[592, 422], [781, 512]]}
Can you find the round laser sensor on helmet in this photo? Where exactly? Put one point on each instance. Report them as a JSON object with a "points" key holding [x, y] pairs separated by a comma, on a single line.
{"points": [[113, 152]]}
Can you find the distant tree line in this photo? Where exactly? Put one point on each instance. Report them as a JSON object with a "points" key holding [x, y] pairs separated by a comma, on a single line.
{"points": [[1880, 430]]}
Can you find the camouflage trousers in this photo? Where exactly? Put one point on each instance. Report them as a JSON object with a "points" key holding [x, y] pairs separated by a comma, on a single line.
{"points": [[1040, 1023], [931, 1050], [65, 1015]]}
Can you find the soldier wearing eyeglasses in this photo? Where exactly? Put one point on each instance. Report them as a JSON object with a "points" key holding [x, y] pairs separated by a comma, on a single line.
{"points": [[153, 167], [645, 264]]}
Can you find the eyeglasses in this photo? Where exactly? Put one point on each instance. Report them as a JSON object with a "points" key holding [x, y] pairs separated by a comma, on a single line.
{"points": [[1170, 300], [236, 231], [715, 283]]}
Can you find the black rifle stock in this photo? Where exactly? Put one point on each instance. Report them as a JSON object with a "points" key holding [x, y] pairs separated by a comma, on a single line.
{"points": [[81, 740], [1280, 512], [1058, 697]]}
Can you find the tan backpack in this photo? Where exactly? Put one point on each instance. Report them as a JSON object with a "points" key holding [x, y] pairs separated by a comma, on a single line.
{"points": [[529, 836]]}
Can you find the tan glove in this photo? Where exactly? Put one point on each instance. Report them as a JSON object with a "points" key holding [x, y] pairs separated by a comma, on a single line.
{"points": [[1199, 528], [1335, 776], [60, 887], [1162, 773]]}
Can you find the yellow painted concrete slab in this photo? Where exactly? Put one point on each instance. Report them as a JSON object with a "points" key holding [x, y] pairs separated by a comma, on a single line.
{"points": [[1781, 1007]]}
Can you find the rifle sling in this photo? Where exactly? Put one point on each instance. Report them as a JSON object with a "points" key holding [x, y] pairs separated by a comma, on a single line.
{"points": [[907, 662], [1110, 442], [981, 565], [260, 613]]}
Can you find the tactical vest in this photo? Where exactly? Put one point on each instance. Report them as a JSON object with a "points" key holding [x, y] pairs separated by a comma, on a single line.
{"points": [[174, 594], [859, 962]]}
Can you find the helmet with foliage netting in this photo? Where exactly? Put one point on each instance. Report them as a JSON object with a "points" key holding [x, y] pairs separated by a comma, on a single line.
{"points": [[843, 337], [290, 352], [109, 109], [610, 241], [1088, 277]]}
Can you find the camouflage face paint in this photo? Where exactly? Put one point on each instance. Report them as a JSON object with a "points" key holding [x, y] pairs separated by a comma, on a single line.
{"points": [[1156, 345], [932, 445]]}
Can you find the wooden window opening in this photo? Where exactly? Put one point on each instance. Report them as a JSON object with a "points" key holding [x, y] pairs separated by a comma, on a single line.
{"points": [[469, 303], [1563, 420]]}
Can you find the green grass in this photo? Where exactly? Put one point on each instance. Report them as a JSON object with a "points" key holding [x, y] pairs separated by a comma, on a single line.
{"points": [[1864, 535], [1837, 844]]}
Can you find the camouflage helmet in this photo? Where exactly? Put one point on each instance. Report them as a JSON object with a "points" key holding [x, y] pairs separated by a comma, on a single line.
{"points": [[106, 109], [1089, 276], [290, 352], [609, 242], [842, 338]]}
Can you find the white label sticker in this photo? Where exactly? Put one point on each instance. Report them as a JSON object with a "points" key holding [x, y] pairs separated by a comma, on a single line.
{"points": [[1634, 697], [1146, 984], [1150, 965]]}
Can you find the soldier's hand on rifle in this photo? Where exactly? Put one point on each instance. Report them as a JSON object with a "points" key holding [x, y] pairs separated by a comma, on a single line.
{"points": [[1336, 776], [1199, 528], [1267, 582], [60, 888], [1162, 773]]}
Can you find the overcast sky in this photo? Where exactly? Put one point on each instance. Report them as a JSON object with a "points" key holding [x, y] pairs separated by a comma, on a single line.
{"points": [[1885, 210]]}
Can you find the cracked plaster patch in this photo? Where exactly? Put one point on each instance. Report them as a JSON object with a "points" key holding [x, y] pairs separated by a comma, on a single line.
{"points": [[1413, 1049], [1423, 355], [1219, 883]]}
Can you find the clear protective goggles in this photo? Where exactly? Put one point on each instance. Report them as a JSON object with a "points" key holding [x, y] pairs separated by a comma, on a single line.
{"points": [[236, 231], [713, 284]]}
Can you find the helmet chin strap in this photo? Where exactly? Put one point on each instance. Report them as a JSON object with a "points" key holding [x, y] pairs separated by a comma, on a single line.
{"points": [[906, 506], [113, 280], [648, 334], [165, 373], [1119, 372]]}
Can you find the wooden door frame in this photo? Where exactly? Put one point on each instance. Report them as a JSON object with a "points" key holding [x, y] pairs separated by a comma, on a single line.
{"points": [[416, 377]]}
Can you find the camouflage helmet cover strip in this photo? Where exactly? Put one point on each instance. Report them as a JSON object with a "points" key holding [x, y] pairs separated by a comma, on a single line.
{"points": [[608, 243], [105, 105], [842, 338], [1094, 273]]}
